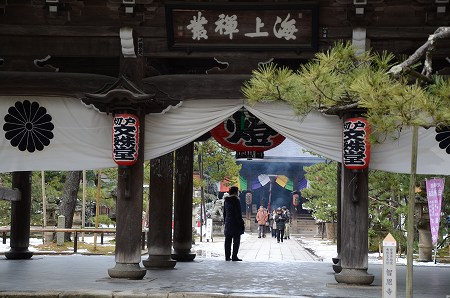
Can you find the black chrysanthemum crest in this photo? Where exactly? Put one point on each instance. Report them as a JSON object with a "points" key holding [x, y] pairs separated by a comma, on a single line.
{"points": [[443, 138], [28, 126]]}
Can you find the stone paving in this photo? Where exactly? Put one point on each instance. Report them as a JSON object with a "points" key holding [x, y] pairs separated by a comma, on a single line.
{"points": [[267, 249], [269, 269]]}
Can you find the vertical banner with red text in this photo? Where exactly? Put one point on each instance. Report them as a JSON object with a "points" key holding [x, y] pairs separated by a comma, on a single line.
{"points": [[435, 188]]}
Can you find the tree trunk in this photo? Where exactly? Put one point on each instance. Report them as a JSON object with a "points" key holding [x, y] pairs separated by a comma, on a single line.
{"points": [[69, 199]]}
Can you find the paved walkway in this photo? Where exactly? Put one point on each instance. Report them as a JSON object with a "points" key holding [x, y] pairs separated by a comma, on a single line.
{"points": [[267, 249], [259, 249], [281, 275]]}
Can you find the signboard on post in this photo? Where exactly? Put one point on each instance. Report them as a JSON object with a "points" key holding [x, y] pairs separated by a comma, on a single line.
{"points": [[389, 281], [209, 227]]}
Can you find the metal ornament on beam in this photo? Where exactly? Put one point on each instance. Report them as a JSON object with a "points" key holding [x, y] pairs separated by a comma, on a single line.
{"points": [[127, 103], [249, 155], [122, 96]]}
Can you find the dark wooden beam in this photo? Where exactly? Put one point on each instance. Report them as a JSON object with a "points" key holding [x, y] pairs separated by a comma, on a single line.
{"points": [[178, 87], [42, 83], [196, 86], [76, 31]]}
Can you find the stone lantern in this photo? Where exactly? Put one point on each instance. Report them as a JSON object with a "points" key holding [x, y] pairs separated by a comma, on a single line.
{"points": [[51, 219], [423, 225]]}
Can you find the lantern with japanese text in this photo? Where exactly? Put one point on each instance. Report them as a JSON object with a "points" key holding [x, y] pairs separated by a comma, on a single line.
{"points": [[247, 135], [356, 143], [295, 199], [125, 139], [248, 198]]}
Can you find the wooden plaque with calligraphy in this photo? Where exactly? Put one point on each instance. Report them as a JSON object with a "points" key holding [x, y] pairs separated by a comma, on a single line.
{"points": [[242, 26]]}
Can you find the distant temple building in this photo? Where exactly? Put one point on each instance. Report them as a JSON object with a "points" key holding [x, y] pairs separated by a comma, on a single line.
{"points": [[274, 180]]}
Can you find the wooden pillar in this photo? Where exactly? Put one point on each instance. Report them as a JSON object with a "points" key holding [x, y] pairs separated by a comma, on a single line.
{"points": [[130, 188], [354, 226], [339, 206], [129, 216], [160, 213], [294, 209], [20, 218], [337, 260], [182, 232]]}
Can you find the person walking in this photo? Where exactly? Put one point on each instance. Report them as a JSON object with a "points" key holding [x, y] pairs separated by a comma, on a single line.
{"points": [[287, 228], [261, 218], [234, 224], [280, 219], [274, 224]]}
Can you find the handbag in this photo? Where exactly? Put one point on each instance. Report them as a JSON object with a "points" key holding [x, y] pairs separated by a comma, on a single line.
{"points": [[267, 223]]}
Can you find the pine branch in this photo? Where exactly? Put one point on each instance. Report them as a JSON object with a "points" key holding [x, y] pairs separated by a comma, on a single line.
{"points": [[336, 110], [389, 202]]}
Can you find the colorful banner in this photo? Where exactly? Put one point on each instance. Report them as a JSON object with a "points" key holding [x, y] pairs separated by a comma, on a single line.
{"points": [[282, 180], [289, 185], [302, 184], [256, 184], [263, 179], [242, 183], [435, 188]]}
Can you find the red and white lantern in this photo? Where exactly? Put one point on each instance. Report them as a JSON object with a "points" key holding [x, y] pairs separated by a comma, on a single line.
{"points": [[356, 143], [295, 199], [247, 135], [125, 139]]}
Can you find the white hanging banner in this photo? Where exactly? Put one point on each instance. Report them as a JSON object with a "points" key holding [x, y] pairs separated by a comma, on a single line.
{"points": [[435, 188]]}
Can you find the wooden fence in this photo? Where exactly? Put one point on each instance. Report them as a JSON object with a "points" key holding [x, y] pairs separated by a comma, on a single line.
{"points": [[76, 231]]}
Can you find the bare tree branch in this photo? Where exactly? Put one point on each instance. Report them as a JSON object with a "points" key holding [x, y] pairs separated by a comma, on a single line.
{"points": [[405, 66]]}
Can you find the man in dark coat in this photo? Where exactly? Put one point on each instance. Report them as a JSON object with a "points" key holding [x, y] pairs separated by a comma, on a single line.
{"points": [[234, 224], [280, 219]]}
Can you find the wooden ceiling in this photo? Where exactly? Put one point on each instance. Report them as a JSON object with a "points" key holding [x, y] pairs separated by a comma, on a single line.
{"points": [[83, 36]]}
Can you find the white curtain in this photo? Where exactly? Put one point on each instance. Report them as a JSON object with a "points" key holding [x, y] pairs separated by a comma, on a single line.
{"points": [[167, 132], [82, 135], [316, 132], [82, 138], [323, 135]]}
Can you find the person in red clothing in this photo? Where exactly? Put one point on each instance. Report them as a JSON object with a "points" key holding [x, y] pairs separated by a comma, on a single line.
{"points": [[261, 218]]}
